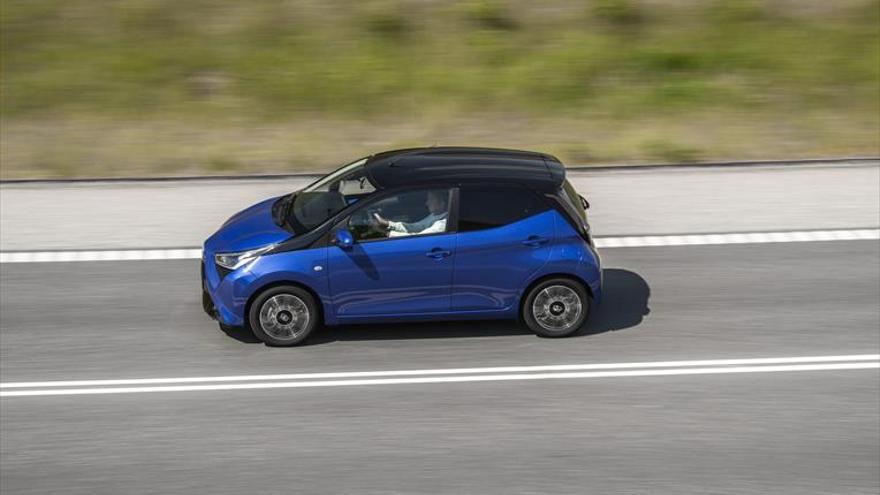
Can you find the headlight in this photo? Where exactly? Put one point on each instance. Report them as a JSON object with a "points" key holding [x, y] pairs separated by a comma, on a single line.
{"points": [[231, 261]]}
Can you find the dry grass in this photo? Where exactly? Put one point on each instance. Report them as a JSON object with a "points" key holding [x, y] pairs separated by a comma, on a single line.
{"points": [[106, 148]]}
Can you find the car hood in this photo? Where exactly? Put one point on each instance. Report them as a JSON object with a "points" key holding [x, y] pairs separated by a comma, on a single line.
{"points": [[250, 228]]}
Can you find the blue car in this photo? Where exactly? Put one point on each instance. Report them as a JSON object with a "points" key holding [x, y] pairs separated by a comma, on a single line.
{"points": [[410, 235]]}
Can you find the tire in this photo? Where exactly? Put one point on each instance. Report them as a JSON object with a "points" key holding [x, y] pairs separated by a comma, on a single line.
{"points": [[566, 308], [283, 316]]}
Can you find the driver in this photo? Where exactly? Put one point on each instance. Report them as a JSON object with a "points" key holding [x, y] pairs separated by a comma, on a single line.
{"points": [[436, 203]]}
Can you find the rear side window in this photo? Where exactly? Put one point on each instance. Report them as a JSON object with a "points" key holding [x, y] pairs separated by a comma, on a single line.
{"points": [[485, 207]]}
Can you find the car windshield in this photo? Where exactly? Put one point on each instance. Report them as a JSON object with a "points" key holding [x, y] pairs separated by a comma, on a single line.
{"points": [[329, 195]]}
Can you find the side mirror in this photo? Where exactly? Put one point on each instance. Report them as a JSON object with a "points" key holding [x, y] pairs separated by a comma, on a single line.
{"points": [[343, 238], [584, 202]]}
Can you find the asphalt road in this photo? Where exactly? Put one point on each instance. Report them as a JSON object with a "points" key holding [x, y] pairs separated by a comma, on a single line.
{"points": [[790, 432]]}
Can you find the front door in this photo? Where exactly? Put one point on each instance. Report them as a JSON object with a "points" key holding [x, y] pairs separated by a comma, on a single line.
{"points": [[401, 260]]}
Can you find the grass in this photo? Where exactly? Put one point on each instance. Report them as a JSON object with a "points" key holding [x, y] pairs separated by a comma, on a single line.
{"points": [[162, 87]]}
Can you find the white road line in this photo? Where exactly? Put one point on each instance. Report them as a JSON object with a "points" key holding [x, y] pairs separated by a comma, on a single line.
{"points": [[110, 255], [448, 371], [601, 242], [447, 379], [738, 238]]}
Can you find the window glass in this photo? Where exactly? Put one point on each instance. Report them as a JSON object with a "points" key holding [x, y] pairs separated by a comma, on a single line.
{"points": [[574, 200], [485, 207], [332, 181], [330, 195], [404, 214]]}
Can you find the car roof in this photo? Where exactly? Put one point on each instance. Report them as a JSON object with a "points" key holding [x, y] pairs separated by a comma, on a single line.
{"points": [[460, 164]]}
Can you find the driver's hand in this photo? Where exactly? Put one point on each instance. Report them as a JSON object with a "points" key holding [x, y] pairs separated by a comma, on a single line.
{"points": [[380, 220]]}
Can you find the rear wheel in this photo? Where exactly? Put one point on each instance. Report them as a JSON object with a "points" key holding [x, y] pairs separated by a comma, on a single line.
{"points": [[556, 307], [283, 316]]}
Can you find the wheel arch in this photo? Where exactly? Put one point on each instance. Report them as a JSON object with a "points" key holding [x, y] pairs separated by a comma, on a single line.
{"points": [[544, 278], [280, 283]]}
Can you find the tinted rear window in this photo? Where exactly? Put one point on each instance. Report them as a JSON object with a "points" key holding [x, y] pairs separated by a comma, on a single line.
{"points": [[485, 207], [574, 199]]}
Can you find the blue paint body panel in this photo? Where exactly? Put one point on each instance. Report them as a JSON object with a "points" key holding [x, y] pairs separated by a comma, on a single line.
{"points": [[391, 277], [469, 275], [250, 228], [492, 265]]}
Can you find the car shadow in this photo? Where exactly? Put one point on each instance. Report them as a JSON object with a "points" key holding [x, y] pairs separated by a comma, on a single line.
{"points": [[625, 296], [624, 305], [241, 334]]}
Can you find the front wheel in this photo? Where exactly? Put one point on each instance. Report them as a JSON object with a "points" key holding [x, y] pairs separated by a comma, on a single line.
{"points": [[283, 316], [556, 308]]}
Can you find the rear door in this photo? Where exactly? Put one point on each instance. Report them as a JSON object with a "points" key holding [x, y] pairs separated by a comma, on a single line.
{"points": [[505, 233]]}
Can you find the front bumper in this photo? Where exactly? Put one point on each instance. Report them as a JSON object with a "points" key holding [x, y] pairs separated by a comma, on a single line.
{"points": [[207, 302], [224, 297]]}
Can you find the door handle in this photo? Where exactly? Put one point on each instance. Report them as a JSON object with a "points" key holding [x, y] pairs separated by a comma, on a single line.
{"points": [[535, 241], [438, 253]]}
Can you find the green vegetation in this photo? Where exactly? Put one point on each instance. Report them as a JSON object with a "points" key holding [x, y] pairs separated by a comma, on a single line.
{"points": [[164, 87]]}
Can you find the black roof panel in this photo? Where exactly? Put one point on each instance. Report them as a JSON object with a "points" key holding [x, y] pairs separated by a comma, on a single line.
{"points": [[426, 165]]}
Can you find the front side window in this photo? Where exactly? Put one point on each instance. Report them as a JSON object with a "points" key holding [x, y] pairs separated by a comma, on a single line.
{"points": [[486, 207], [420, 212], [316, 203]]}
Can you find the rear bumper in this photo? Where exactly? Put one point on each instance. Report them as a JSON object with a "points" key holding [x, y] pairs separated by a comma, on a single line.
{"points": [[589, 269]]}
